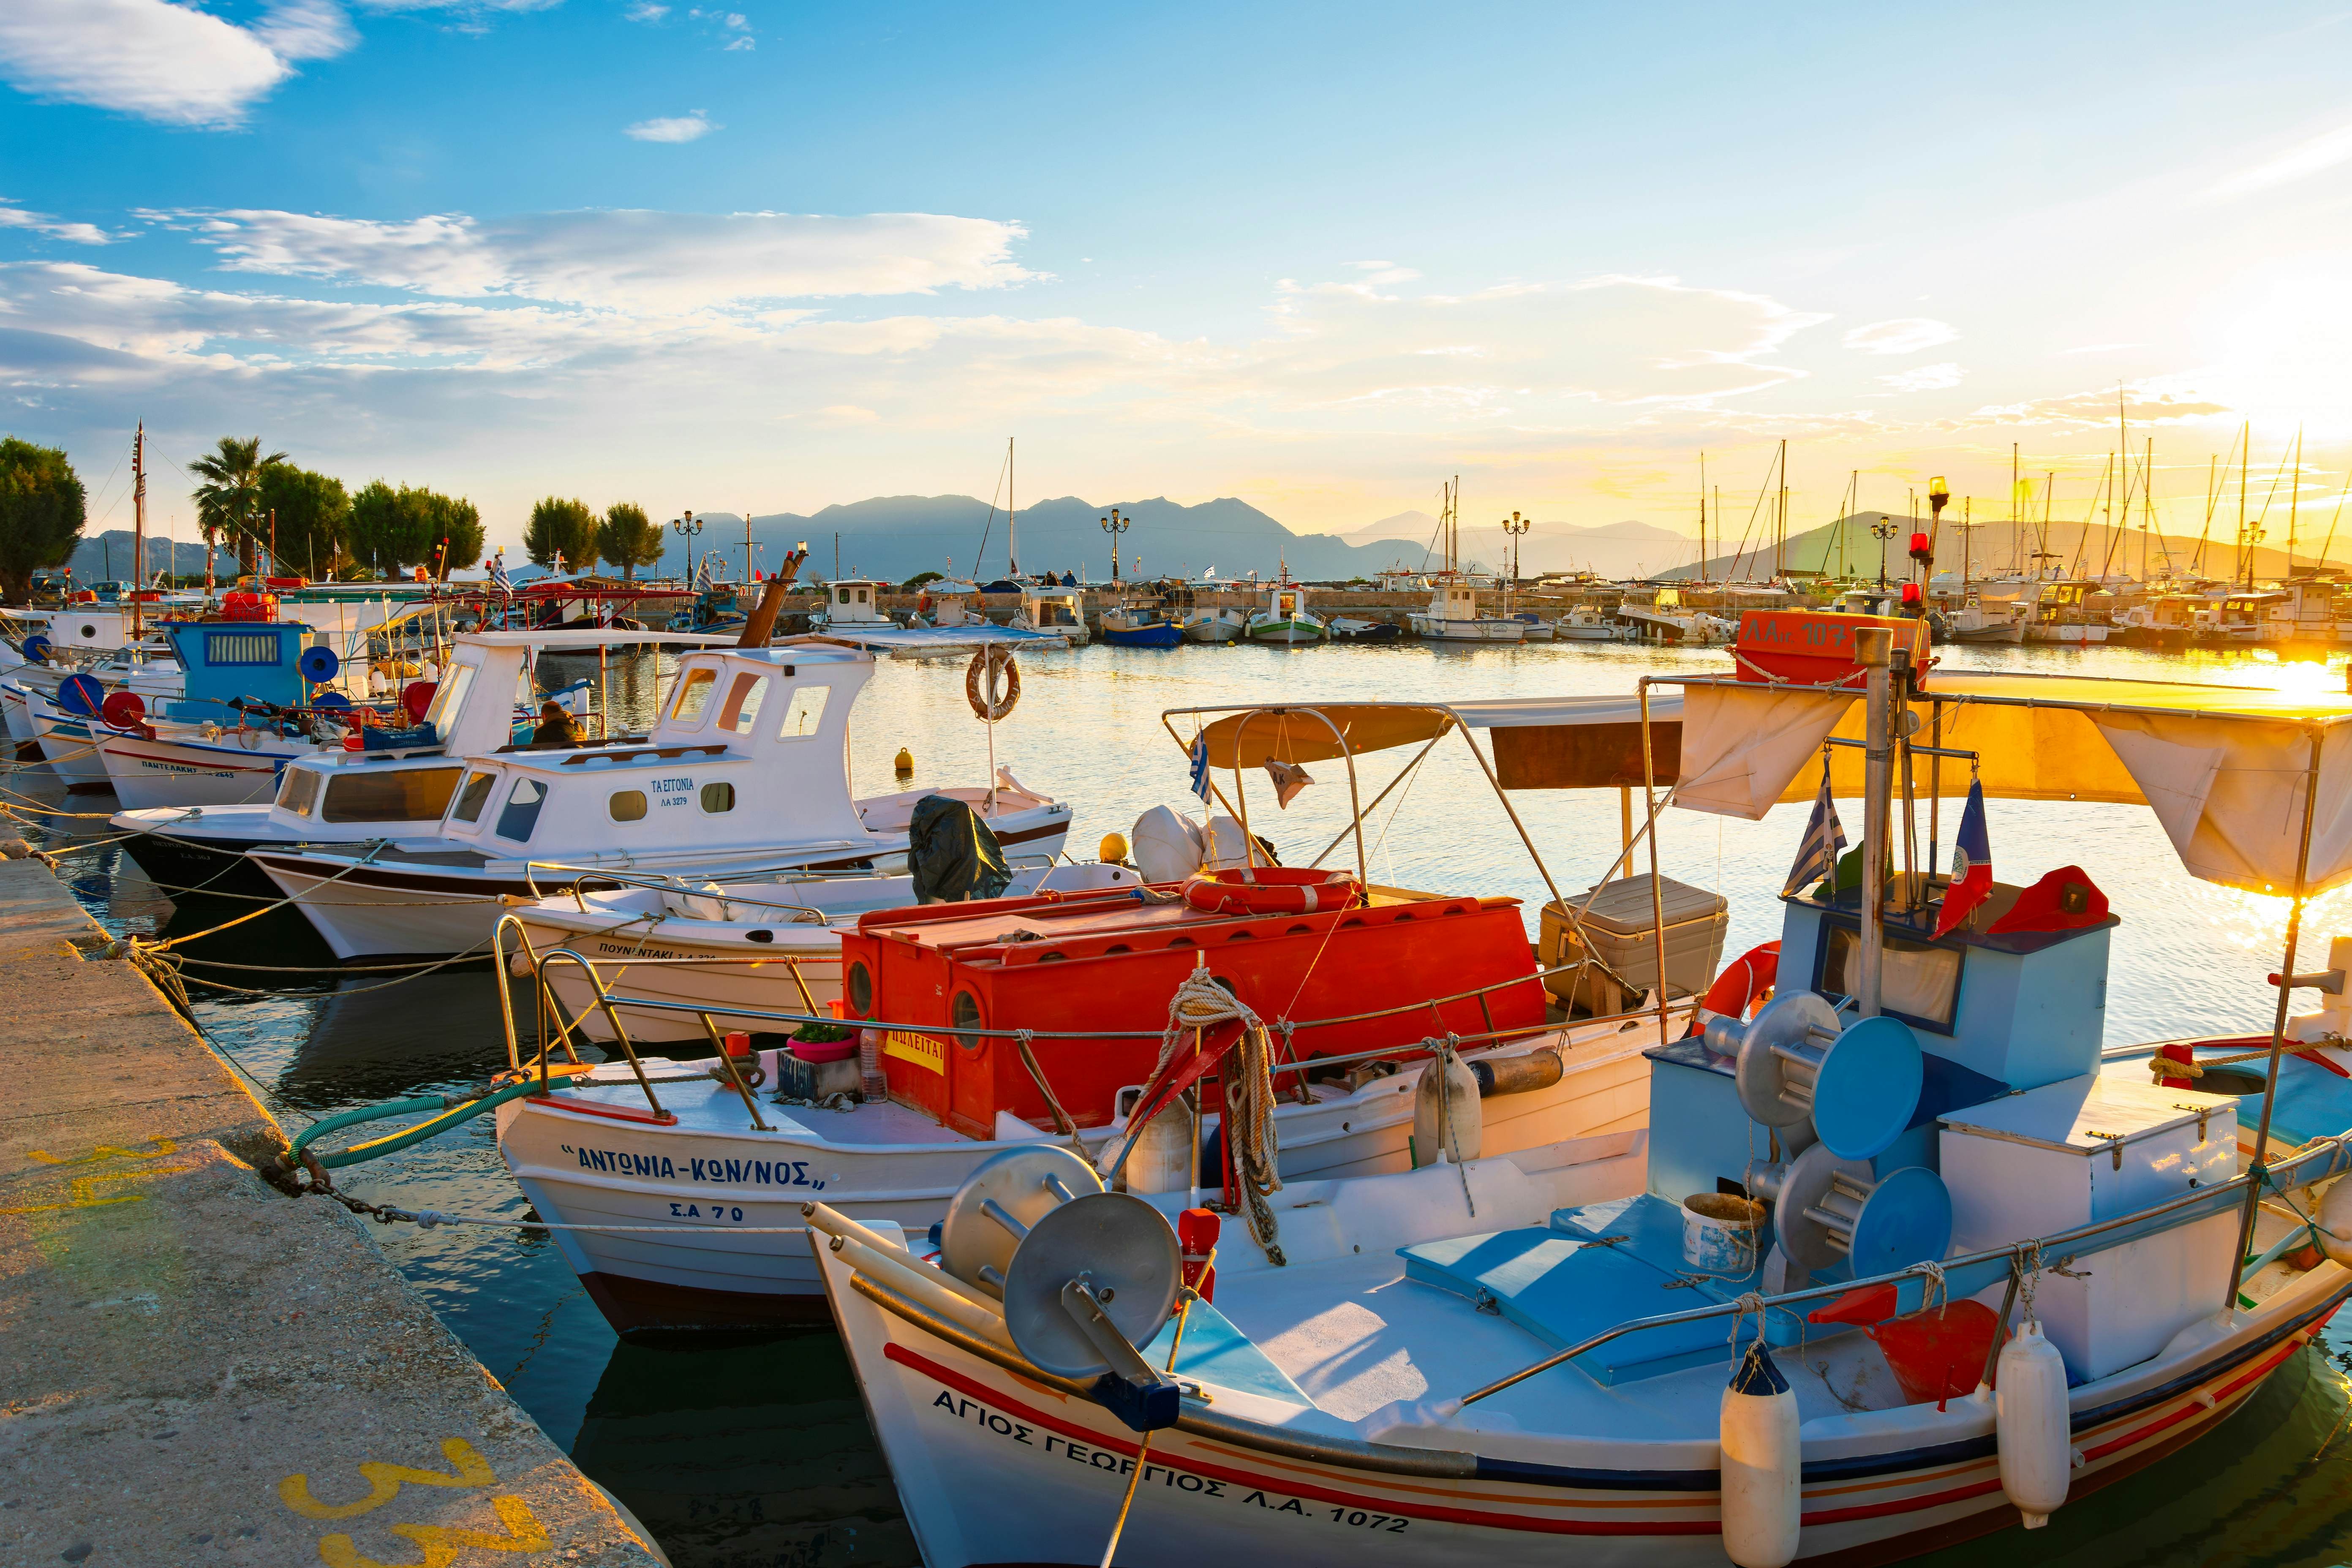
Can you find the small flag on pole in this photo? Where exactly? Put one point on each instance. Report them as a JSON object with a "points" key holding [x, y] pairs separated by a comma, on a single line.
{"points": [[1201, 767], [1824, 836], [1971, 864], [498, 579]]}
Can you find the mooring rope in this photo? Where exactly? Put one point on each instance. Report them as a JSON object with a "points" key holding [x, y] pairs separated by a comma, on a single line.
{"points": [[1251, 1157]]}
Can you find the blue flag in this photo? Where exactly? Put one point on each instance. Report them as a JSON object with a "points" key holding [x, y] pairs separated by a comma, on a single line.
{"points": [[1201, 767], [1971, 864], [1824, 836]]}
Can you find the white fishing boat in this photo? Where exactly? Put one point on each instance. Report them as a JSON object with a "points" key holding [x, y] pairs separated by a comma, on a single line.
{"points": [[1058, 612], [1954, 1279], [1453, 616], [745, 772], [1589, 626], [1667, 620], [1283, 618], [1209, 624], [394, 786], [1978, 622], [1017, 1022]]}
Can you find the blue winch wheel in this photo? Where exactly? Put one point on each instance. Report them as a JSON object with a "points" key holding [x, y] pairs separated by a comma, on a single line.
{"points": [[1867, 1086], [1907, 1220], [1831, 1210], [331, 701], [36, 647], [81, 695], [318, 664]]}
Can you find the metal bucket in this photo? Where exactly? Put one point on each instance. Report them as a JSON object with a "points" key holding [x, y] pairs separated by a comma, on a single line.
{"points": [[1720, 1231]]}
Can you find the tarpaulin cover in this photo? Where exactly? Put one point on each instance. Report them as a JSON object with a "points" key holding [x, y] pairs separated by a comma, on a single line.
{"points": [[2224, 768], [1540, 742], [953, 854]]}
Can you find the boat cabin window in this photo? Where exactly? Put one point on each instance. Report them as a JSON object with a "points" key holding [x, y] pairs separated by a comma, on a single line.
{"points": [[627, 805], [520, 813], [450, 694], [392, 794], [718, 797], [843, 594], [802, 714], [473, 797], [742, 707], [1917, 982], [297, 790], [693, 694]]}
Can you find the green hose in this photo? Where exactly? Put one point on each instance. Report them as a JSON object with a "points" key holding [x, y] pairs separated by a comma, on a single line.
{"points": [[451, 1116]]}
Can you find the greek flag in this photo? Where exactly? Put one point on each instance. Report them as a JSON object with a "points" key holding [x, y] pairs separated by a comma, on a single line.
{"points": [[1817, 855], [498, 574], [1201, 767]]}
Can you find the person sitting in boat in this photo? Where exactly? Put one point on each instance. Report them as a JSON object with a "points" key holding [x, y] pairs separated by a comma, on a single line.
{"points": [[556, 726]]}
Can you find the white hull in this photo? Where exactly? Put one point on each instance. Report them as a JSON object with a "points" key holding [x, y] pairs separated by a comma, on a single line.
{"points": [[2012, 633], [158, 773], [393, 906], [66, 745], [887, 1163], [19, 720], [1437, 629], [995, 1467], [1214, 627], [1292, 630], [2070, 636]]}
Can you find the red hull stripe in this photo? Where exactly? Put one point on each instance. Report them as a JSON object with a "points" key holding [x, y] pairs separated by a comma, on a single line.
{"points": [[1911, 1504], [613, 1112]]}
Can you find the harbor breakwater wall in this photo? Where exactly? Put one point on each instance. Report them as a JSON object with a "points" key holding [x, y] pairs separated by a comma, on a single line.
{"points": [[199, 1367]]}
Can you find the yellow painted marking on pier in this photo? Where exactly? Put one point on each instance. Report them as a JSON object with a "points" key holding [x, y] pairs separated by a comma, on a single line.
{"points": [[384, 1482], [441, 1545], [107, 1151], [83, 1190]]}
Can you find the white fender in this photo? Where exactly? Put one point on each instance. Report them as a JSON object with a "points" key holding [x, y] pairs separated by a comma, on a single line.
{"points": [[2335, 1218], [1167, 845], [2030, 1422], [1164, 1152], [1763, 1480], [1456, 1124]]}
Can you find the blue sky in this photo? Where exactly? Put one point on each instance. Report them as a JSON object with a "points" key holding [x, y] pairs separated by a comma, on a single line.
{"points": [[755, 257]]}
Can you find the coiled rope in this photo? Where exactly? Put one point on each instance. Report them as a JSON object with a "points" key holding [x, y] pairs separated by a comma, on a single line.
{"points": [[1251, 1157]]}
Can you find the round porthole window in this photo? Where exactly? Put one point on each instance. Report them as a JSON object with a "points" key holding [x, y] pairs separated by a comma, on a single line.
{"points": [[965, 1015], [861, 990]]}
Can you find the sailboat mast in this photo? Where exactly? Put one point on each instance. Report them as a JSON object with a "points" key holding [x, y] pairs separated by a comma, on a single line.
{"points": [[2016, 536], [2294, 495], [137, 527], [1702, 517], [1013, 517], [1780, 529], [2245, 438]]}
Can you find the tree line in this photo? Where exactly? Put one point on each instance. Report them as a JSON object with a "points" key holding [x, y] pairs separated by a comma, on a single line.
{"points": [[262, 504]]}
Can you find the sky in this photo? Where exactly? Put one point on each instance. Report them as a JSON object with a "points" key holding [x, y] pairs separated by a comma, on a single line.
{"points": [[1319, 257]]}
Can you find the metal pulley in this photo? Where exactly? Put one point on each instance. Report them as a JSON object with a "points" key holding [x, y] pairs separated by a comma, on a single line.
{"points": [[1005, 1195], [1857, 1085], [1829, 1208]]}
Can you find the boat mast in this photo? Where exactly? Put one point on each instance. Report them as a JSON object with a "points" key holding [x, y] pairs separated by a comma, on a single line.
{"points": [[1781, 524], [137, 527], [1702, 517], [2016, 534], [2293, 494], [2245, 438], [1013, 517]]}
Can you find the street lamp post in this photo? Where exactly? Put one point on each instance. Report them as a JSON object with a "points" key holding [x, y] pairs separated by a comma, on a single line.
{"points": [[1882, 530], [688, 527], [1517, 527], [1116, 525]]}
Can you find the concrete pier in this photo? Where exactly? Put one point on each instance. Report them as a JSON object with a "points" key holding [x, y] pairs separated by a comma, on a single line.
{"points": [[199, 1369]]}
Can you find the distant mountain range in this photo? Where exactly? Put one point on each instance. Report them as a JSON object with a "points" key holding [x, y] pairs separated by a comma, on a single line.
{"points": [[1847, 547], [1627, 548]]}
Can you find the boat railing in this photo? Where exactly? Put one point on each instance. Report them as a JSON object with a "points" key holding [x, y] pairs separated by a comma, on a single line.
{"points": [[1956, 1277], [608, 1002]]}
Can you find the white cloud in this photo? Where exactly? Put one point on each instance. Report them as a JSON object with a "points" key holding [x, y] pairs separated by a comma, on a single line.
{"points": [[13, 217], [1906, 336], [740, 44], [170, 63], [645, 11], [683, 127], [632, 260], [1925, 378], [2316, 155]]}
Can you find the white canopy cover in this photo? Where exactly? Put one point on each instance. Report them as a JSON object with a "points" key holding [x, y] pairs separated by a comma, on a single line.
{"points": [[2226, 769]]}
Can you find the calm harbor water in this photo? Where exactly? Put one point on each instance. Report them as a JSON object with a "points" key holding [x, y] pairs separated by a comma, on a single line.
{"points": [[756, 1454]]}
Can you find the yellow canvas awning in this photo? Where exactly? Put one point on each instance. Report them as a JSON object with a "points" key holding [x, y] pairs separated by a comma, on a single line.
{"points": [[2224, 768], [1318, 732]]}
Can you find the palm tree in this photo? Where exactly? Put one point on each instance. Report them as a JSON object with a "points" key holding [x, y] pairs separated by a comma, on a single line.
{"points": [[230, 497]]}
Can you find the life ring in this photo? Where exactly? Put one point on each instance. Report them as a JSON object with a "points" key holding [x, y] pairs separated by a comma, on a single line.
{"points": [[1745, 984], [979, 683], [1270, 890]]}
